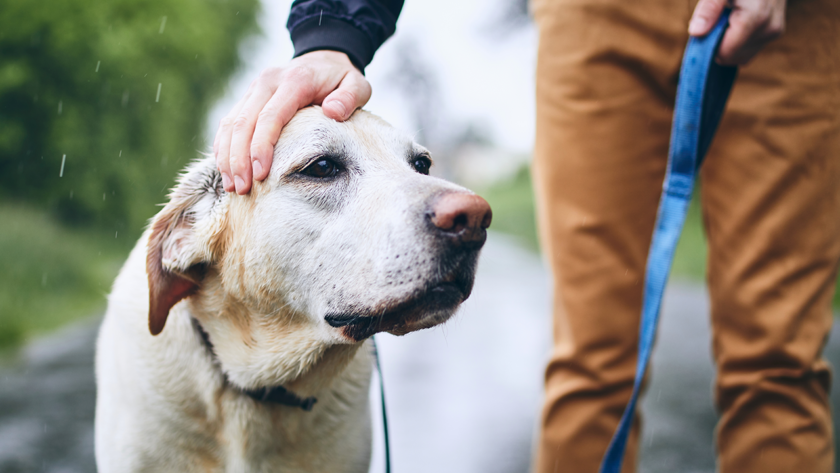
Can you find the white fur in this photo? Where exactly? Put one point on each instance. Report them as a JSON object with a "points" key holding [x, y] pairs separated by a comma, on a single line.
{"points": [[277, 261]]}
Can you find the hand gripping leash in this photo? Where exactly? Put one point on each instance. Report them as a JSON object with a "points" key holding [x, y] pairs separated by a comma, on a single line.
{"points": [[701, 97]]}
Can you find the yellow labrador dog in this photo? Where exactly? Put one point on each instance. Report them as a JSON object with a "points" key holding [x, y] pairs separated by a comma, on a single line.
{"points": [[235, 336]]}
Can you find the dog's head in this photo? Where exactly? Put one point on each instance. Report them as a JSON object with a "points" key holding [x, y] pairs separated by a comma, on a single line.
{"points": [[347, 237]]}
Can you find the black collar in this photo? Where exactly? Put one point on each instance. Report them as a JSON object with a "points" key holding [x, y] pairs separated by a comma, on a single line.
{"points": [[280, 395], [276, 394]]}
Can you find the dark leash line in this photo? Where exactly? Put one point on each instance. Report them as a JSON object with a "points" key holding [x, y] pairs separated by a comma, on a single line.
{"points": [[702, 92], [384, 410]]}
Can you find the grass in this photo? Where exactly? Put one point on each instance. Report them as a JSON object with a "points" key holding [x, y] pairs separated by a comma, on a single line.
{"points": [[51, 274], [513, 213]]}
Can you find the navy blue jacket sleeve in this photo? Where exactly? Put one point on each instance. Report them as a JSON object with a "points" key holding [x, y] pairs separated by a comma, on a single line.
{"points": [[355, 27]]}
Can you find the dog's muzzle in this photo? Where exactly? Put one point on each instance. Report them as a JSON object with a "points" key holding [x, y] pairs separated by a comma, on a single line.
{"points": [[458, 222]]}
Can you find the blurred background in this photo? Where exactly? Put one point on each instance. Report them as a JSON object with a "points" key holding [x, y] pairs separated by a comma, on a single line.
{"points": [[103, 102]]}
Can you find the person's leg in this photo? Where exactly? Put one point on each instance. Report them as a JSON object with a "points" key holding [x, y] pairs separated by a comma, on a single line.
{"points": [[771, 198], [606, 79]]}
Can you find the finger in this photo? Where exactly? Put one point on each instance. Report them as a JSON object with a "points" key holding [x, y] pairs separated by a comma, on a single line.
{"points": [[353, 92], [243, 129], [274, 116], [222, 164], [236, 107], [705, 15], [222, 145], [735, 47], [748, 33], [294, 92]]}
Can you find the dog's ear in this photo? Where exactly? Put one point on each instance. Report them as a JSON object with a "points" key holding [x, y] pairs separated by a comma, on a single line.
{"points": [[184, 239]]}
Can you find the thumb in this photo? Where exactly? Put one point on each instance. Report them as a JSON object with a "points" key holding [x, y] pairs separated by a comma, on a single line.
{"points": [[706, 14], [353, 92]]}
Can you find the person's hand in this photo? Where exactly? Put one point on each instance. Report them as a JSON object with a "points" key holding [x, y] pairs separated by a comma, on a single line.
{"points": [[244, 143], [752, 24]]}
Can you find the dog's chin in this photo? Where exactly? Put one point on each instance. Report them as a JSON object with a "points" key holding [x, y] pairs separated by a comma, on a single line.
{"points": [[434, 307], [429, 307]]}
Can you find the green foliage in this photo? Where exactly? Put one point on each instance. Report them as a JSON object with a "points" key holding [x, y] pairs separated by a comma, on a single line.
{"points": [[80, 78], [691, 254], [51, 274], [122, 89], [512, 201]]}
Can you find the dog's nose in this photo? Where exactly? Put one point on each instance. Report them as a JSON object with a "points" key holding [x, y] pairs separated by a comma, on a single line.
{"points": [[463, 217]]}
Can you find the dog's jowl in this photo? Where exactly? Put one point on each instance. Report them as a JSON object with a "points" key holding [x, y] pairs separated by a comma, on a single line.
{"points": [[236, 337]]}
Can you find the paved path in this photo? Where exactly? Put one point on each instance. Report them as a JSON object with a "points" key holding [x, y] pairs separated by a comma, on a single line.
{"points": [[47, 400], [462, 398]]}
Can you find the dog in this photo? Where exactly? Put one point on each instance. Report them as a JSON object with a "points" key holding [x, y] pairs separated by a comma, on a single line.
{"points": [[237, 334]]}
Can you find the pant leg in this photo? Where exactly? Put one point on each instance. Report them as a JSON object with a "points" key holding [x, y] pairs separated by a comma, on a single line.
{"points": [[606, 80], [771, 198]]}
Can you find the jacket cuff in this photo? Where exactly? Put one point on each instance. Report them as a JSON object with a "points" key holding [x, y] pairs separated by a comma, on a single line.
{"points": [[332, 34]]}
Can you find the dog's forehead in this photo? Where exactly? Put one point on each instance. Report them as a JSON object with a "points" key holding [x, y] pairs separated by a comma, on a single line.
{"points": [[363, 136]]}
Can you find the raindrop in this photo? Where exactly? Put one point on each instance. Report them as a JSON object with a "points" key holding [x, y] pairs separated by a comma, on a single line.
{"points": [[157, 97], [125, 98], [162, 25], [103, 196], [97, 66], [120, 156], [61, 172], [60, 103]]}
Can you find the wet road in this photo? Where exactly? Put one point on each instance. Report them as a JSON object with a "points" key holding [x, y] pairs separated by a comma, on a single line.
{"points": [[47, 399], [462, 398]]}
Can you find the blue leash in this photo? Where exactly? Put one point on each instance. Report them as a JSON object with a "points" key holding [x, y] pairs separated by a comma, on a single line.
{"points": [[701, 97]]}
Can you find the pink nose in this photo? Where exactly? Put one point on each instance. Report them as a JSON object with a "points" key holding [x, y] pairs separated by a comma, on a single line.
{"points": [[462, 217]]}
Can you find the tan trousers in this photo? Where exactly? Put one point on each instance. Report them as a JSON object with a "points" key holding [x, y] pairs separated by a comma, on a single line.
{"points": [[606, 81]]}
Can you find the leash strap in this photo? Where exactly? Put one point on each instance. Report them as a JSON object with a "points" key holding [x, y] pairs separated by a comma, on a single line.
{"points": [[384, 410], [701, 97]]}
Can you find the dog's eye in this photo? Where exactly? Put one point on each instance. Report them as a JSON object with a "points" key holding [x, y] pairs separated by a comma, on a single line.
{"points": [[422, 164], [322, 168]]}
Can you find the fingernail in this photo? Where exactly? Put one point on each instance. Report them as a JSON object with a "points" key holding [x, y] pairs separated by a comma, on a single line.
{"points": [[697, 25], [225, 180], [239, 183], [341, 108], [257, 169]]}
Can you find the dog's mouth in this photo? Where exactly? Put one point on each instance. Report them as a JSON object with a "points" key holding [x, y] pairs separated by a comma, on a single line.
{"points": [[426, 308]]}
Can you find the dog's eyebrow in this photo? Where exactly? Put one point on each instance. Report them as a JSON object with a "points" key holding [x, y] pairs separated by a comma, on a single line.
{"points": [[414, 153]]}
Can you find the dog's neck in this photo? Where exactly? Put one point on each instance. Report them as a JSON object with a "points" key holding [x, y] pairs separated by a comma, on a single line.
{"points": [[281, 362], [274, 394]]}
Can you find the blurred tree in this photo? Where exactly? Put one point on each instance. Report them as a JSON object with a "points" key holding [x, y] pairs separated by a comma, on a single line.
{"points": [[103, 101], [510, 17]]}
